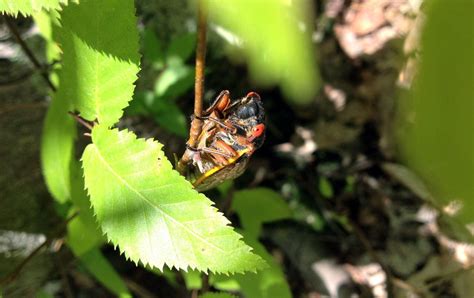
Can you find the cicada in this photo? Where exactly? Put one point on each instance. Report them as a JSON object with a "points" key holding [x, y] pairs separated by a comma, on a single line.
{"points": [[232, 130]]}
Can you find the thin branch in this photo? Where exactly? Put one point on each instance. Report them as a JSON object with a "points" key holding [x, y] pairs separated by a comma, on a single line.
{"points": [[81, 120], [28, 52], [14, 274], [196, 123]]}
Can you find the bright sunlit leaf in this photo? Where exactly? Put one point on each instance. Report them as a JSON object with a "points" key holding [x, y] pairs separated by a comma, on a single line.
{"points": [[152, 213], [27, 7], [276, 38], [101, 59]]}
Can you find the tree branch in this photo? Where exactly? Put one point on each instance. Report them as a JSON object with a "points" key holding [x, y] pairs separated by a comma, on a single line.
{"points": [[14, 274], [28, 52], [196, 124]]}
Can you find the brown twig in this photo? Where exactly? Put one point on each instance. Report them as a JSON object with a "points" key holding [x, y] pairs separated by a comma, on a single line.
{"points": [[196, 123], [14, 274], [81, 121], [28, 52]]}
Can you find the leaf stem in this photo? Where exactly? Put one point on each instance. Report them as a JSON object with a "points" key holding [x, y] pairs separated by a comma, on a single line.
{"points": [[196, 123], [11, 26]]}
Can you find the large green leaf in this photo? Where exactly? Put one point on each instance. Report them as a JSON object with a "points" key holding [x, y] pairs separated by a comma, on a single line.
{"points": [[57, 142], [152, 213], [257, 206], [438, 143], [27, 7], [101, 60]]}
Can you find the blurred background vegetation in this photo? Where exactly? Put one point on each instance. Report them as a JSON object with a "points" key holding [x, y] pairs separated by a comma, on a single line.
{"points": [[364, 185]]}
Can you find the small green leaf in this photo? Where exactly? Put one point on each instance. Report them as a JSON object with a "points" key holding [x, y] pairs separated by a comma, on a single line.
{"points": [[101, 60], [152, 49], [28, 7], [182, 46], [152, 213], [103, 271], [325, 188], [257, 206], [175, 80]]}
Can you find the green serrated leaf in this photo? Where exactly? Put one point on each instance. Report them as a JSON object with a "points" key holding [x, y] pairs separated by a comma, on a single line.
{"points": [[101, 60], [257, 206], [28, 7], [152, 213], [182, 46], [57, 142], [103, 271]]}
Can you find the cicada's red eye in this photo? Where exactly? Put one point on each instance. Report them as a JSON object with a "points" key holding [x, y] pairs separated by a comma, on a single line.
{"points": [[257, 131]]}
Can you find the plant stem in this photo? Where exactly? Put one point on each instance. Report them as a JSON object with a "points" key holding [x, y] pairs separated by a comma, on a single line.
{"points": [[28, 52], [196, 123], [14, 274]]}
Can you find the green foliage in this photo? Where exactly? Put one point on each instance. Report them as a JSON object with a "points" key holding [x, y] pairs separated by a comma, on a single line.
{"points": [[325, 187], [268, 283], [192, 279], [175, 79], [216, 295], [182, 47], [165, 112], [277, 49], [59, 132], [100, 58], [83, 232], [255, 207], [103, 271], [153, 49], [439, 144], [28, 7], [152, 213]]}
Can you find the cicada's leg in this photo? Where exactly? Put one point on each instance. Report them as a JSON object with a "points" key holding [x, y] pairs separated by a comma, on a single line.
{"points": [[219, 122], [220, 104], [210, 151]]}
